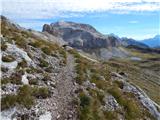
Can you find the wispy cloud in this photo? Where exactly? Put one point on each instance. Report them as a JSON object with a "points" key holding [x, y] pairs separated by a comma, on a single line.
{"points": [[37, 9], [134, 22]]}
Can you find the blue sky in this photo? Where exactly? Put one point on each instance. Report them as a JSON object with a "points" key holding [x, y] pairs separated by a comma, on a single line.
{"points": [[131, 18]]}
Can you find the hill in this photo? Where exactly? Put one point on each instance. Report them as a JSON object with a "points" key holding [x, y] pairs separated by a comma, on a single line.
{"points": [[45, 80]]}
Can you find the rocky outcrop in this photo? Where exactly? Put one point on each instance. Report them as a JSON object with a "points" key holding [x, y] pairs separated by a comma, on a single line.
{"points": [[110, 103], [81, 36], [139, 93]]}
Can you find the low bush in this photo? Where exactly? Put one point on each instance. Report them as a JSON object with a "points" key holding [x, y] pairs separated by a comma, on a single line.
{"points": [[101, 84], [22, 64], [33, 82], [119, 84], [36, 44], [20, 40], [84, 100], [25, 97], [43, 63], [41, 93], [3, 47], [84, 108], [14, 79], [8, 58], [8, 101], [47, 50], [131, 107], [110, 115], [33, 70]]}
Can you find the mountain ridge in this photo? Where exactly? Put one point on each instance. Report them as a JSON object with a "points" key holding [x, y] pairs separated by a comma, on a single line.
{"points": [[42, 79], [152, 42]]}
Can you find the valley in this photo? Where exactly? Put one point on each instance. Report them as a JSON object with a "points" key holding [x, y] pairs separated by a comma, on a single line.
{"points": [[70, 71]]}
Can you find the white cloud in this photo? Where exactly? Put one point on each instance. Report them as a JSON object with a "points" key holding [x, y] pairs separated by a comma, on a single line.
{"points": [[133, 21], [142, 37], [37, 9]]}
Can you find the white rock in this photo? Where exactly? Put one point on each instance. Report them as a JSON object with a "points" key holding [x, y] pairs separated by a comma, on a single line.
{"points": [[7, 114], [144, 99], [46, 116], [9, 65], [19, 52], [110, 103], [24, 79]]}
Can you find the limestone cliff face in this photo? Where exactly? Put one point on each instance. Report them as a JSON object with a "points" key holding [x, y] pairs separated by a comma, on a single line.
{"points": [[80, 35]]}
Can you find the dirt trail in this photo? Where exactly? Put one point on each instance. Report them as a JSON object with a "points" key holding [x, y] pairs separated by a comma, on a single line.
{"points": [[65, 89], [60, 104]]}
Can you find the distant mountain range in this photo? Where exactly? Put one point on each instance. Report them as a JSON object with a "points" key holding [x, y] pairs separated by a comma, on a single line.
{"points": [[152, 42], [129, 41], [87, 38]]}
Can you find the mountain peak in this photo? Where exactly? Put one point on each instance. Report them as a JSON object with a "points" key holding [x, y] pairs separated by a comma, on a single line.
{"points": [[157, 36], [153, 42], [80, 35]]}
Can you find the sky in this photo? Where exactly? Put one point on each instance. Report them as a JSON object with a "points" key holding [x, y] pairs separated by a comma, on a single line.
{"points": [[138, 19]]}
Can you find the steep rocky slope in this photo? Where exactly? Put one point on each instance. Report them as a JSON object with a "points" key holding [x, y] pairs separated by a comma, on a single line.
{"points": [[80, 35], [34, 70], [86, 38], [43, 81]]}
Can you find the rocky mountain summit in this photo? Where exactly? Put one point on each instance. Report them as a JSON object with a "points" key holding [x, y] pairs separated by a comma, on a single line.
{"points": [[86, 38], [80, 35], [42, 79]]}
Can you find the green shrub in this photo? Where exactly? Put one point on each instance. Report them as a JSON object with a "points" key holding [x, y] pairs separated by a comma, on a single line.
{"points": [[8, 58], [133, 110], [42, 92], [3, 47], [5, 81], [84, 108], [25, 97], [8, 101], [22, 64], [36, 44], [49, 69], [119, 83], [79, 79], [33, 70], [110, 115], [43, 63], [131, 107], [33, 82], [47, 50], [74, 53], [14, 79], [84, 100], [63, 53], [101, 84], [20, 41], [46, 77]]}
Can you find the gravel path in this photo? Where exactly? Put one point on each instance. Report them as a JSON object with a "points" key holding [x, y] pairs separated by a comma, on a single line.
{"points": [[65, 86], [60, 105]]}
